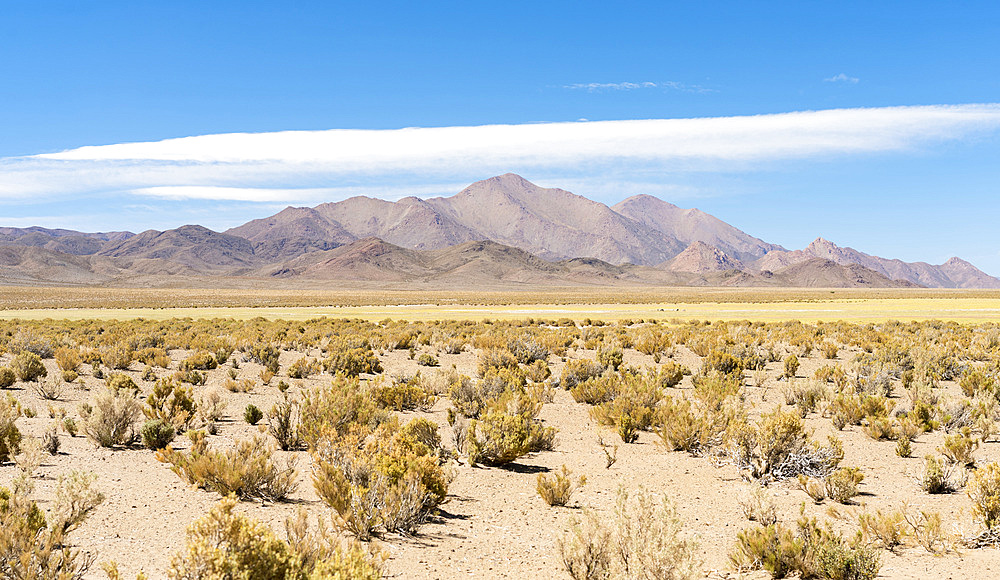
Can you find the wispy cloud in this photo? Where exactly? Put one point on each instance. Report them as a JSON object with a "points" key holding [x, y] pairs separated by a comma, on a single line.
{"points": [[303, 166], [842, 78], [629, 86]]}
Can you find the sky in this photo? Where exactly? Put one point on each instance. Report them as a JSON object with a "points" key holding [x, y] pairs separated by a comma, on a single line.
{"points": [[875, 125]]}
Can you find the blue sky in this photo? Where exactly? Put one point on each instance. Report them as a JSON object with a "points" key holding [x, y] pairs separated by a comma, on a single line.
{"points": [[900, 159]]}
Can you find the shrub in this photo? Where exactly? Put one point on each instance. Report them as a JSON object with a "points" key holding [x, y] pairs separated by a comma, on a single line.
{"points": [[556, 489], [940, 478], [887, 530], [121, 382], [118, 357], [331, 410], [10, 435], [283, 423], [758, 506], [984, 490], [670, 374], [227, 545], [70, 376], [49, 391], [810, 552], [842, 485], [112, 419], [506, 431], [353, 362], [157, 434], [67, 358], [302, 368], [28, 366], [7, 378], [958, 448], [586, 551], [610, 358], [777, 446], [172, 403], [577, 371], [388, 478], [252, 414], [30, 547], [200, 361], [403, 394], [427, 360], [247, 470], [240, 386], [646, 541], [791, 366]]}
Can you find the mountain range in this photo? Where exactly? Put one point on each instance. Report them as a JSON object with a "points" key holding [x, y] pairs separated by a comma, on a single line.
{"points": [[502, 230]]}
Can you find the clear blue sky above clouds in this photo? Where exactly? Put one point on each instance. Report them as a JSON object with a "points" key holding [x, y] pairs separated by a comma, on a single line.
{"points": [[918, 183]]}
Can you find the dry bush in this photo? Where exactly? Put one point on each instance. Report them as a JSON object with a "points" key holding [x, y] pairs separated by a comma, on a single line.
{"points": [[10, 435], [30, 548], [555, 489], [303, 368], [647, 541], [7, 377], [577, 371], [939, 477], [199, 361], [586, 551], [211, 407], [778, 446], [389, 478], [403, 394], [247, 470], [28, 366], [353, 362], [887, 530], [227, 545], [174, 404], [757, 505], [334, 408], [283, 423], [507, 430], [984, 491], [804, 395], [842, 485], [111, 420], [958, 448], [68, 359], [810, 552]]}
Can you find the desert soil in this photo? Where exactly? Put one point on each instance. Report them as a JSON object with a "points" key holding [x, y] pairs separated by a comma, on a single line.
{"points": [[494, 525]]}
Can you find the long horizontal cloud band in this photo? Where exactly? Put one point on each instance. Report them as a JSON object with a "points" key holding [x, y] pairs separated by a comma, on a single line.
{"points": [[303, 164]]}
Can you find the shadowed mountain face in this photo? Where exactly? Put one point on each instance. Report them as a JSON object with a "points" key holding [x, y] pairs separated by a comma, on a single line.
{"points": [[503, 229]]}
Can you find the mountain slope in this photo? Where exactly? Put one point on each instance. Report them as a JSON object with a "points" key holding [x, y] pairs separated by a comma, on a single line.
{"points": [[699, 258], [693, 225], [194, 247]]}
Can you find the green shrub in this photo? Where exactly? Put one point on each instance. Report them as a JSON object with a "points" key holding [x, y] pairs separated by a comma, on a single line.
{"points": [[427, 360], [252, 414], [157, 434], [331, 410], [403, 394], [506, 431], [121, 382], [28, 366], [791, 365], [940, 478], [303, 368]]}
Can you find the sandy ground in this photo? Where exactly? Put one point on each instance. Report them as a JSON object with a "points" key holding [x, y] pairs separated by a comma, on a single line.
{"points": [[494, 525]]}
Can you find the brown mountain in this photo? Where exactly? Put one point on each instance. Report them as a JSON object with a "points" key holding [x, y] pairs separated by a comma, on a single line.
{"points": [[699, 258], [502, 229], [693, 225], [954, 273], [192, 247]]}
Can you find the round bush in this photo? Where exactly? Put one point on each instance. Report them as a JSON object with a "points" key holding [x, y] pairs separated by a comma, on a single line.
{"points": [[7, 378], [252, 414], [157, 434]]}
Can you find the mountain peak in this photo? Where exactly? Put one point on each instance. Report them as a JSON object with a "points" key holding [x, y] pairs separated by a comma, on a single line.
{"points": [[700, 258]]}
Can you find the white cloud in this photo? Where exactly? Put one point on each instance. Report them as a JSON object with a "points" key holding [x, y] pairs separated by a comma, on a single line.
{"points": [[300, 166], [842, 78], [628, 86]]}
